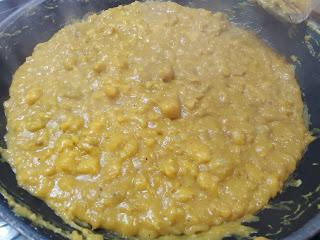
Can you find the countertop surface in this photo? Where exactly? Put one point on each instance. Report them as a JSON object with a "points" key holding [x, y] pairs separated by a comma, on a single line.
{"points": [[6, 8]]}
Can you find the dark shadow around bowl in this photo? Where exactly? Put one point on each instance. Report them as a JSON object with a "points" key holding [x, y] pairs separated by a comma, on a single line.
{"points": [[38, 20]]}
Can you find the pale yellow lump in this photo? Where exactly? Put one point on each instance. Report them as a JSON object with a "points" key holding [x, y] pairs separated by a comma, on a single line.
{"points": [[294, 11], [154, 119]]}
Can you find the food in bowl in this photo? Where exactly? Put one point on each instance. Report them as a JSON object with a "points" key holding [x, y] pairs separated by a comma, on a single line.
{"points": [[154, 119]]}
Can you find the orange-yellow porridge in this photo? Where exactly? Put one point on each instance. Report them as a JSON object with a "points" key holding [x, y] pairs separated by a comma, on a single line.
{"points": [[153, 119]]}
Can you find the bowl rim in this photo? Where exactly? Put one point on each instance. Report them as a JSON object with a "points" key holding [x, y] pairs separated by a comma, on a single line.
{"points": [[309, 230]]}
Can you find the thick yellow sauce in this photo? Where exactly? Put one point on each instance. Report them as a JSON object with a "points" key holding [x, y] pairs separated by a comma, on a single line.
{"points": [[154, 119], [234, 228]]}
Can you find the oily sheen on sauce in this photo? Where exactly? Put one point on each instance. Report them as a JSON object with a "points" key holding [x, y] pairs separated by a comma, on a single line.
{"points": [[153, 119]]}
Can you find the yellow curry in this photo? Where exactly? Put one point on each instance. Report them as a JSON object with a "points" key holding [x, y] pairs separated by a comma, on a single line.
{"points": [[154, 119]]}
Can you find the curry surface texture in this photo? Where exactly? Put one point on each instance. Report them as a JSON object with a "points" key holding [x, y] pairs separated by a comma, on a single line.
{"points": [[154, 119]]}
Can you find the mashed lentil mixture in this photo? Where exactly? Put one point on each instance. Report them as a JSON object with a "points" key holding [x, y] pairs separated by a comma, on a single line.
{"points": [[154, 119]]}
